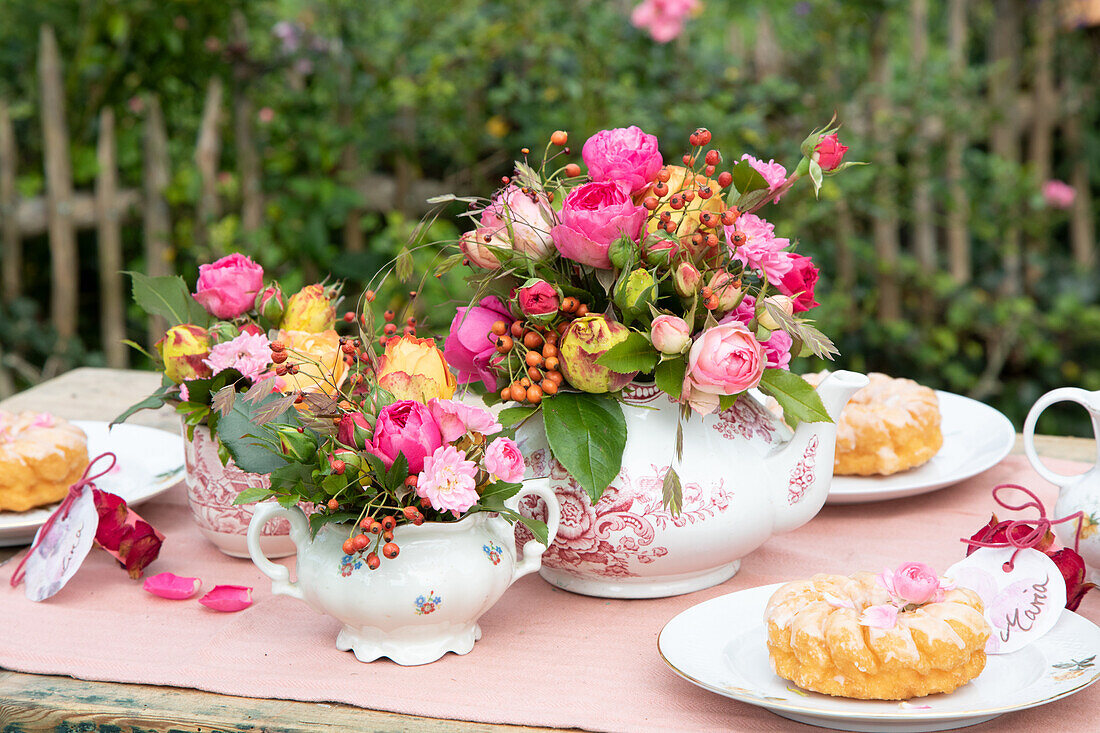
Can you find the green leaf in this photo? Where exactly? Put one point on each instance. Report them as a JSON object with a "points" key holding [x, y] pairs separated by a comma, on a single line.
{"points": [[752, 200], [152, 402], [672, 494], [168, 297], [251, 494], [795, 395], [669, 376], [634, 354], [320, 519], [250, 445], [495, 494], [289, 500], [399, 471], [747, 179], [333, 484], [509, 416], [587, 435], [726, 401], [139, 347], [815, 176], [537, 527], [450, 263]]}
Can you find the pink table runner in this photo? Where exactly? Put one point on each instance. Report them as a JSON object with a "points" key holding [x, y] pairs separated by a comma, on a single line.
{"points": [[547, 657]]}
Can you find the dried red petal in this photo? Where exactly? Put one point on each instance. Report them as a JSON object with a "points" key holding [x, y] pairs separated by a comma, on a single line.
{"points": [[1072, 567], [129, 538], [996, 531]]}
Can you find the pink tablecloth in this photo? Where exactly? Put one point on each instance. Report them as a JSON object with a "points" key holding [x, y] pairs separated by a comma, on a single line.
{"points": [[547, 657]]}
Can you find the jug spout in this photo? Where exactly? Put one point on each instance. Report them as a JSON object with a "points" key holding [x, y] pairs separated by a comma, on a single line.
{"points": [[803, 467]]}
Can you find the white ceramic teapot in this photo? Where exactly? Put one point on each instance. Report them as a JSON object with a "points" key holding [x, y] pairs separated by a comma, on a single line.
{"points": [[419, 605], [745, 478], [1076, 493]]}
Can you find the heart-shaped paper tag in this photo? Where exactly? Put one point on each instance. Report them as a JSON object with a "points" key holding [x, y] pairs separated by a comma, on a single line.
{"points": [[1021, 604]]}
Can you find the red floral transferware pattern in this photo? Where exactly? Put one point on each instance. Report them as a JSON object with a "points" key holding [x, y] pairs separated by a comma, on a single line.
{"points": [[802, 475], [745, 419], [620, 529], [212, 487]]}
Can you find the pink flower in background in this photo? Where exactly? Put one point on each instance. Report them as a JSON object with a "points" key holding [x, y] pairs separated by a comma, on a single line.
{"points": [[778, 350], [762, 250], [228, 287], [503, 460], [774, 173], [724, 360], [408, 428], [447, 480], [594, 215], [249, 354], [664, 19], [914, 582], [830, 152], [470, 346], [265, 115], [455, 419], [1058, 194], [530, 216], [799, 282], [879, 617], [624, 154]]}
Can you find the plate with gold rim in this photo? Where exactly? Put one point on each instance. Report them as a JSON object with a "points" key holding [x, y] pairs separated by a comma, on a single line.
{"points": [[150, 462], [731, 659]]}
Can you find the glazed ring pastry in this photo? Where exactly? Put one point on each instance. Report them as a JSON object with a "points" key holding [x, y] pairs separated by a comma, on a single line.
{"points": [[41, 456], [890, 425], [818, 639]]}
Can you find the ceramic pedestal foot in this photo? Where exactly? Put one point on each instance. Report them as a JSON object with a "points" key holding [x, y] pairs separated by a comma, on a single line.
{"points": [[236, 545], [647, 587], [410, 645]]}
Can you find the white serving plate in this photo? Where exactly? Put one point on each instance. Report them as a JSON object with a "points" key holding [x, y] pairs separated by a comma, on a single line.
{"points": [[976, 437], [720, 645], [150, 461]]}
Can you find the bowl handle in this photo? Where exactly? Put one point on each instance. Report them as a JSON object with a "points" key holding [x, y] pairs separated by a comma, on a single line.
{"points": [[299, 529], [1089, 400], [532, 551]]}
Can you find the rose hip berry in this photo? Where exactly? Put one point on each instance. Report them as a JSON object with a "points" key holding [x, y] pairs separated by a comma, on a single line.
{"points": [[390, 550]]}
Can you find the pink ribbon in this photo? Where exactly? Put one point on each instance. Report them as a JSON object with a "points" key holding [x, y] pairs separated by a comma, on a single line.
{"points": [[63, 510], [1037, 528]]}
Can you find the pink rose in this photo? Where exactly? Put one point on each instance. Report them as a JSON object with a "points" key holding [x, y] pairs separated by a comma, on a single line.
{"points": [[669, 334], [407, 428], [724, 360], [778, 350], [913, 582], [799, 283], [470, 346], [448, 481], [664, 19], [353, 430], [774, 173], [538, 299], [761, 250], [743, 313], [455, 419], [530, 217], [476, 244], [227, 288], [593, 215], [830, 152], [503, 460], [624, 154]]}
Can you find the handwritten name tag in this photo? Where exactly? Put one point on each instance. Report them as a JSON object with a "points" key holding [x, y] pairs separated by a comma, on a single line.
{"points": [[1021, 604], [61, 546]]}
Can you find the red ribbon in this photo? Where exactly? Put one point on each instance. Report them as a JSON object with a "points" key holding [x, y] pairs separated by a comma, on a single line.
{"points": [[63, 510], [1037, 528]]}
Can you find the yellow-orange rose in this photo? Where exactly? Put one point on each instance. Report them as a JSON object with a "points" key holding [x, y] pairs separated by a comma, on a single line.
{"points": [[679, 181], [414, 369], [321, 366], [310, 309]]}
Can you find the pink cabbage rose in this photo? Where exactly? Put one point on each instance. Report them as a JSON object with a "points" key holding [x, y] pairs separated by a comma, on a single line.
{"points": [[503, 460], [624, 154], [228, 287], [538, 299], [669, 334], [406, 427], [914, 582], [799, 283], [455, 419], [530, 216], [830, 152], [448, 480], [724, 360], [594, 215], [470, 347], [761, 250]]}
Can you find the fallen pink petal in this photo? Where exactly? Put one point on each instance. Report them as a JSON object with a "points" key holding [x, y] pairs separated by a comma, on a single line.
{"points": [[228, 598], [171, 586]]}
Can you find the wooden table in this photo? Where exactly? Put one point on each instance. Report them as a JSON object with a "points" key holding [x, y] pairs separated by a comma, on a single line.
{"points": [[37, 702]]}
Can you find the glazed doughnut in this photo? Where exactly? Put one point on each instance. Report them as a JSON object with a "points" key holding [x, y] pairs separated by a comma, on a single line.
{"points": [[41, 456], [815, 640]]}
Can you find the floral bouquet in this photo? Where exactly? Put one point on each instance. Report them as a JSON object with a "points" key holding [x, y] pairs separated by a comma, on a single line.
{"points": [[394, 449], [221, 341], [635, 270]]}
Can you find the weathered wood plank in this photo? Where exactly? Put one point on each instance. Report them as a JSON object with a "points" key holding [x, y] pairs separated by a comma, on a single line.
{"points": [[32, 214], [64, 265], [1004, 52], [885, 224], [1082, 229], [11, 248], [207, 152], [248, 159], [156, 224], [112, 303], [1041, 137], [958, 204], [923, 219]]}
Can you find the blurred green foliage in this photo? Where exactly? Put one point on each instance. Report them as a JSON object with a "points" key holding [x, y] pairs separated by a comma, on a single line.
{"points": [[450, 91]]}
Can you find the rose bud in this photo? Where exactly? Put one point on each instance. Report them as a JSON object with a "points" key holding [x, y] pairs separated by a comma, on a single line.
{"points": [[354, 430], [725, 290], [183, 350], [539, 300], [1072, 567], [670, 334], [310, 310], [636, 292], [523, 218], [476, 246], [300, 447], [660, 251], [270, 304], [785, 304], [621, 252], [687, 279], [585, 341], [830, 152]]}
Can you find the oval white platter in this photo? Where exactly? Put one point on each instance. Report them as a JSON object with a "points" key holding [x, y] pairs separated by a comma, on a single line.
{"points": [[150, 462], [720, 645]]}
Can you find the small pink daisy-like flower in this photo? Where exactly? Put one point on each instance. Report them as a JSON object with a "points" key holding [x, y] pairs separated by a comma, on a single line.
{"points": [[762, 250], [447, 480], [774, 173], [249, 354]]}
